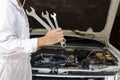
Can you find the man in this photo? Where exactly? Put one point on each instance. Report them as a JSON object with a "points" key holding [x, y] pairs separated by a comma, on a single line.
{"points": [[15, 45]]}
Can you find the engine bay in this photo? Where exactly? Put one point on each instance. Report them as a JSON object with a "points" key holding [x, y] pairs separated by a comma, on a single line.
{"points": [[55, 61]]}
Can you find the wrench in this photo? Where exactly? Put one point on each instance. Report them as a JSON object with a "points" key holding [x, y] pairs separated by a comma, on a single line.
{"points": [[55, 20], [63, 43], [46, 16], [34, 15]]}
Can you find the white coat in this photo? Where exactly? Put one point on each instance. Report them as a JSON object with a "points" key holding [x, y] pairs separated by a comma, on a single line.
{"points": [[15, 45]]}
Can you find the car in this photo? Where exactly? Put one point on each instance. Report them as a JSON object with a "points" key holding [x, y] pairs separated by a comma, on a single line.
{"points": [[87, 26]]}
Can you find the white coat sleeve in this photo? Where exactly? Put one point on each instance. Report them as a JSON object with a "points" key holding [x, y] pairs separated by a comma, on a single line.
{"points": [[9, 42]]}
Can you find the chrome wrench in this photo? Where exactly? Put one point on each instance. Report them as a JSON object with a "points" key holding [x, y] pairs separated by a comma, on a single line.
{"points": [[55, 20], [63, 43], [34, 15], [46, 16]]}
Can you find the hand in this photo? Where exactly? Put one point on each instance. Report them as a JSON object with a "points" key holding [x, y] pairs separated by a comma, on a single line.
{"points": [[51, 37]]}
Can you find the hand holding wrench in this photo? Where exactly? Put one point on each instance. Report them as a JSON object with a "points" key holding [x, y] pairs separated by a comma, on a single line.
{"points": [[46, 16], [34, 15], [63, 43]]}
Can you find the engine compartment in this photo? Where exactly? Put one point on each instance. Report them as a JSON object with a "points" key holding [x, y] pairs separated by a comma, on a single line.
{"points": [[57, 61]]}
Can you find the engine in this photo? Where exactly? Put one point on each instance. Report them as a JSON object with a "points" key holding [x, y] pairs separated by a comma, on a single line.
{"points": [[57, 60]]}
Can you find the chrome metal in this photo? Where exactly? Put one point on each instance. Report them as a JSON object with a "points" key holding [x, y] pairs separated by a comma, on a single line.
{"points": [[34, 15], [46, 16]]}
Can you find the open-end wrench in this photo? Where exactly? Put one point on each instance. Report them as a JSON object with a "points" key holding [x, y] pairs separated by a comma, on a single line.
{"points": [[55, 20], [63, 43], [46, 16], [34, 15]]}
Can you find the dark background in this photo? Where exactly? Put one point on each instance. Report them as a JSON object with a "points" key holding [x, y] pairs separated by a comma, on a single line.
{"points": [[73, 14]]}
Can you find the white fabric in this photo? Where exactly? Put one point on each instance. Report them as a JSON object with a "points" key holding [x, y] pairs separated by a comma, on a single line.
{"points": [[15, 45]]}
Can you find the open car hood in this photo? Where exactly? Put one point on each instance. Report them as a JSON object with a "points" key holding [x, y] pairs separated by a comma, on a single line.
{"points": [[86, 17]]}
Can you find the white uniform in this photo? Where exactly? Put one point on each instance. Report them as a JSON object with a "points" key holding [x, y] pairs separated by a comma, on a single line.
{"points": [[15, 45]]}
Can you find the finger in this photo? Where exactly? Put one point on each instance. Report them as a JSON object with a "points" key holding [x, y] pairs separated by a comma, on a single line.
{"points": [[59, 33], [60, 39], [60, 36], [58, 29]]}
